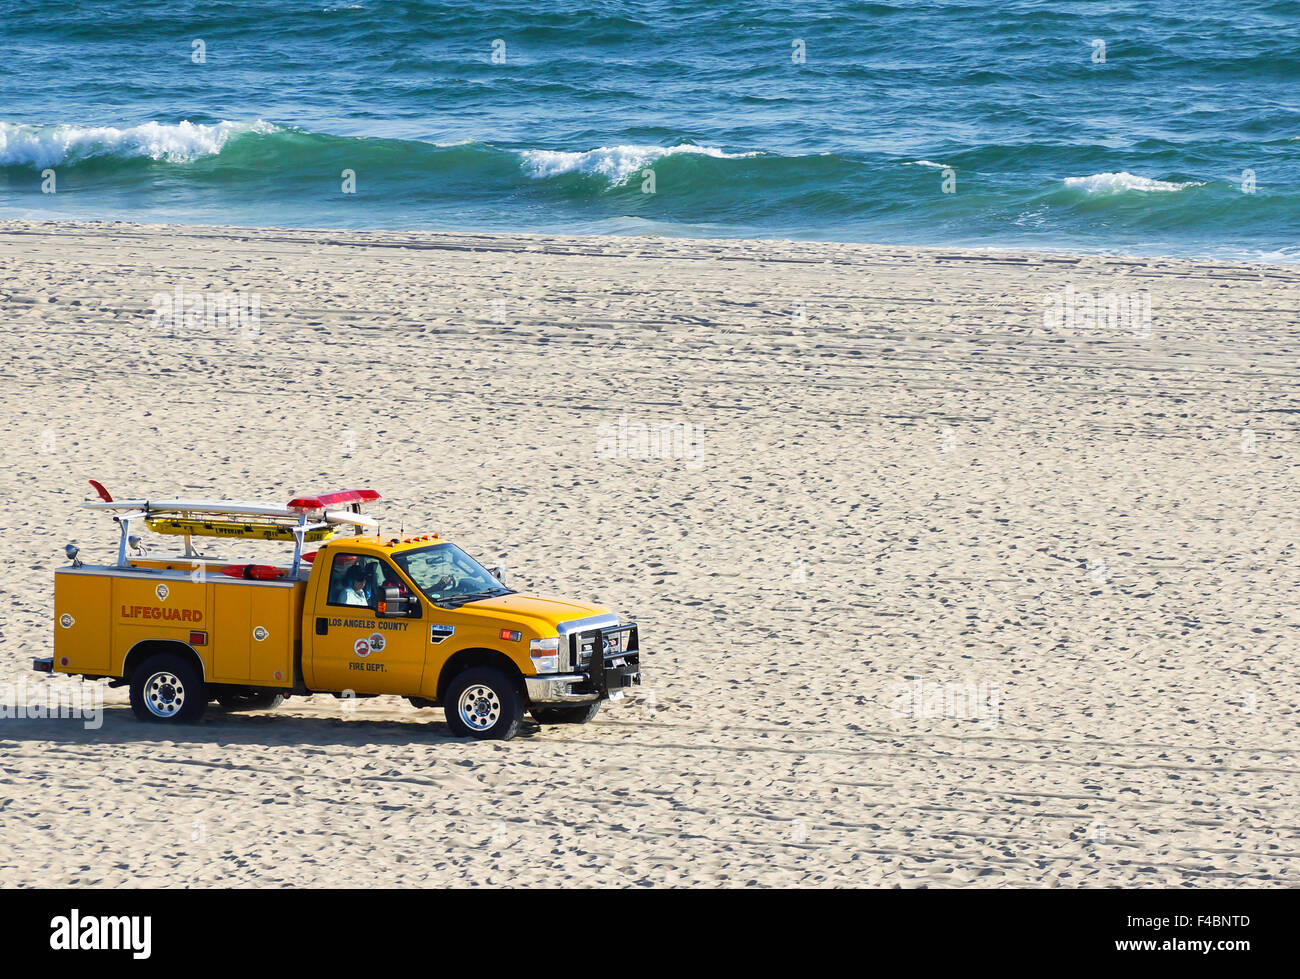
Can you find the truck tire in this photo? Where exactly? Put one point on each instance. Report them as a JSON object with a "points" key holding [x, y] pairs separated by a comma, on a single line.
{"points": [[237, 700], [167, 689], [483, 703], [578, 714]]}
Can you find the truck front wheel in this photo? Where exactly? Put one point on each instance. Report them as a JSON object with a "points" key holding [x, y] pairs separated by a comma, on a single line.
{"points": [[580, 714], [483, 703], [168, 689]]}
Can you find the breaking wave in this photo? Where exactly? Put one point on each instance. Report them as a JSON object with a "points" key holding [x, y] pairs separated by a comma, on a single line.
{"points": [[615, 163], [182, 142], [1116, 183]]}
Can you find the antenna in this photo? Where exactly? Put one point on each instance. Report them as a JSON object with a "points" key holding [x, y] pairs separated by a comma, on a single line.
{"points": [[401, 525]]}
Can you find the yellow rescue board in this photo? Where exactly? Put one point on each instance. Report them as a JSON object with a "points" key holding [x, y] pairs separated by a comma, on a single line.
{"points": [[232, 528]]}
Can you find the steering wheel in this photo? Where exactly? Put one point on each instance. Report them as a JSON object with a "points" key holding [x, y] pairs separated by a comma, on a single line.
{"points": [[447, 583]]}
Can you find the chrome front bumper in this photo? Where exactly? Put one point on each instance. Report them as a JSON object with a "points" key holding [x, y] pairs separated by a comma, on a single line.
{"points": [[558, 689]]}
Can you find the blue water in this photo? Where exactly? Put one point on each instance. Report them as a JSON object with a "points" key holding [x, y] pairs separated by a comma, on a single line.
{"points": [[1043, 144]]}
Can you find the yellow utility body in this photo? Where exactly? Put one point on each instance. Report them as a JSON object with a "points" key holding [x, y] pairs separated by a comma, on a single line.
{"points": [[363, 615]]}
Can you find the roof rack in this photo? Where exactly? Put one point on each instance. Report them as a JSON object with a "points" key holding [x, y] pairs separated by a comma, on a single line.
{"points": [[305, 518]]}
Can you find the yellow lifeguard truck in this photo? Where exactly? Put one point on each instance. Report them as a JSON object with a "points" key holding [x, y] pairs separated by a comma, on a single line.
{"points": [[362, 615]]}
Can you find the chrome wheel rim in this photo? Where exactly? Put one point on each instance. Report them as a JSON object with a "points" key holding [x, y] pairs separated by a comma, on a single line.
{"points": [[164, 694], [479, 707]]}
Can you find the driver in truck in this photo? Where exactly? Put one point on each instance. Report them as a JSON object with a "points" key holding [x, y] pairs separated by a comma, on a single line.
{"points": [[356, 592]]}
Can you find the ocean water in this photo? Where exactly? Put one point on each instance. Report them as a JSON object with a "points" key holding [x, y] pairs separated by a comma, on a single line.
{"points": [[1125, 127]]}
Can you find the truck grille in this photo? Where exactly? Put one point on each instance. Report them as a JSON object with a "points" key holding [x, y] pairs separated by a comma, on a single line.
{"points": [[619, 642]]}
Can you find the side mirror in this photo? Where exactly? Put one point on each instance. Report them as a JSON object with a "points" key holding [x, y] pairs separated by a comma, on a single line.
{"points": [[395, 605], [499, 573]]}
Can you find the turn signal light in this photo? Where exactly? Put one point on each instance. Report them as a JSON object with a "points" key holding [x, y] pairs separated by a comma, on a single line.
{"points": [[198, 638], [512, 636]]}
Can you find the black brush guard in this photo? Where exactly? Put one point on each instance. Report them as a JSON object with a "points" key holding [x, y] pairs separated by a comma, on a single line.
{"points": [[617, 668]]}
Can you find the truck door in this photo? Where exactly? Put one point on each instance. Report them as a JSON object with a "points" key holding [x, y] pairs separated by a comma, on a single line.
{"points": [[355, 648]]}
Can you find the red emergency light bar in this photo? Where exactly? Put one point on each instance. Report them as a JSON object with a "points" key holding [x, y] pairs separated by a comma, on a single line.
{"points": [[322, 500]]}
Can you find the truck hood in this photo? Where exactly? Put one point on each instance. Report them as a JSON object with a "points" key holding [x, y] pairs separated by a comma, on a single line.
{"points": [[547, 613]]}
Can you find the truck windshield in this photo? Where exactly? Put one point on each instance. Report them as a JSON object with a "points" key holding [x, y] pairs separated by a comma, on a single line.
{"points": [[446, 574]]}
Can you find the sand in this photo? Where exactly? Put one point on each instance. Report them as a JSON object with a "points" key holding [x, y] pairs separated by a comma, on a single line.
{"points": [[934, 591]]}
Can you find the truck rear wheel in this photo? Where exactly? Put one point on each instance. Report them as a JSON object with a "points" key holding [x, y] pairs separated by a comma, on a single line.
{"points": [[579, 714], [236, 700], [166, 688], [483, 703]]}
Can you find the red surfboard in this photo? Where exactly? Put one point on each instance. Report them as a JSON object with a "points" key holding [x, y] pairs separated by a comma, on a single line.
{"points": [[253, 572]]}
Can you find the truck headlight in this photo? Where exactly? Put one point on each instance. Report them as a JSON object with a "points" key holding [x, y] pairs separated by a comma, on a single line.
{"points": [[545, 654]]}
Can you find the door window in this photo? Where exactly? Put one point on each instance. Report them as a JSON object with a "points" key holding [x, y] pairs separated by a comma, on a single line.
{"points": [[356, 580]]}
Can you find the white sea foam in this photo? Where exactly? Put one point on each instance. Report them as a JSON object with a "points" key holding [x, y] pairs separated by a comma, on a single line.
{"points": [[614, 163], [1115, 183], [48, 146], [926, 163]]}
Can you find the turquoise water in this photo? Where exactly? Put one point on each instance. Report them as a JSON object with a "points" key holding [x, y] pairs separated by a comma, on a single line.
{"points": [[1043, 144]]}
